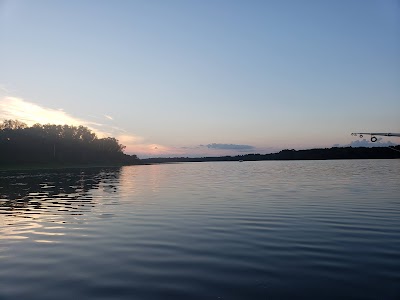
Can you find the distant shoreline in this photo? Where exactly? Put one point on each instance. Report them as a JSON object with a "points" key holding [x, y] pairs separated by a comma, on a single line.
{"points": [[334, 153]]}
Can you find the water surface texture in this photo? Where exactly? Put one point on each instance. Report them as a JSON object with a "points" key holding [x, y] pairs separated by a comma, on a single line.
{"points": [[222, 230]]}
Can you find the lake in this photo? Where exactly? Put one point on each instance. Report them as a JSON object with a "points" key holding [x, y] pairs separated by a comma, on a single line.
{"points": [[221, 230]]}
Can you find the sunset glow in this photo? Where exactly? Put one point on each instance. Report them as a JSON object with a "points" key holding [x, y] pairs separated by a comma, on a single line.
{"points": [[30, 113]]}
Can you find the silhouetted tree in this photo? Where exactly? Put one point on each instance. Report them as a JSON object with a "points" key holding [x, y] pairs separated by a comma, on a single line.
{"points": [[51, 143], [12, 124]]}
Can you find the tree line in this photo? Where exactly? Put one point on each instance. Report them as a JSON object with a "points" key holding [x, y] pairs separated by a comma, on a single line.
{"points": [[291, 154], [61, 144]]}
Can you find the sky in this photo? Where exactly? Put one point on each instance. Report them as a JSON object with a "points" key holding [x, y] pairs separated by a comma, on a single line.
{"points": [[204, 78]]}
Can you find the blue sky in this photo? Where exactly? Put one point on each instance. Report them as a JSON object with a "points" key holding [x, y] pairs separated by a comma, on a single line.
{"points": [[177, 77]]}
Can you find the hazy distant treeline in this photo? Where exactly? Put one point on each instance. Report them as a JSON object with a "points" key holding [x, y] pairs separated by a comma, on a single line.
{"points": [[311, 154], [49, 143]]}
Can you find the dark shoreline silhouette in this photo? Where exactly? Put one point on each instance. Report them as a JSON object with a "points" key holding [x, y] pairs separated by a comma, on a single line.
{"points": [[64, 146], [310, 154], [57, 145]]}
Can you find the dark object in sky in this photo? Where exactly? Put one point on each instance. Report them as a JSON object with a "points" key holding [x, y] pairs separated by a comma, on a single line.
{"points": [[374, 134]]}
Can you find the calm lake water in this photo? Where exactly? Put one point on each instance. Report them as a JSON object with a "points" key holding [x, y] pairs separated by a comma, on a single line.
{"points": [[221, 230]]}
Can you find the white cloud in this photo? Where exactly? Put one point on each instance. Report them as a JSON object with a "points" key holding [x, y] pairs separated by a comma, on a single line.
{"points": [[31, 113]]}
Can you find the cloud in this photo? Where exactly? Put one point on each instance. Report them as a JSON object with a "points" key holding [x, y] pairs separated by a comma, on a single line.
{"points": [[130, 139], [4, 89], [31, 113], [229, 147], [367, 143]]}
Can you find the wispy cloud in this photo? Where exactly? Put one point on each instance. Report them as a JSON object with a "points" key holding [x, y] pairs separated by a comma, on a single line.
{"points": [[131, 140], [230, 147], [32, 113], [4, 89]]}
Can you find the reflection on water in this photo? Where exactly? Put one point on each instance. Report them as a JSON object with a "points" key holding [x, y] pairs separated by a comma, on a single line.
{"points": [[30, 199], [36, 192], [251, 230]]}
